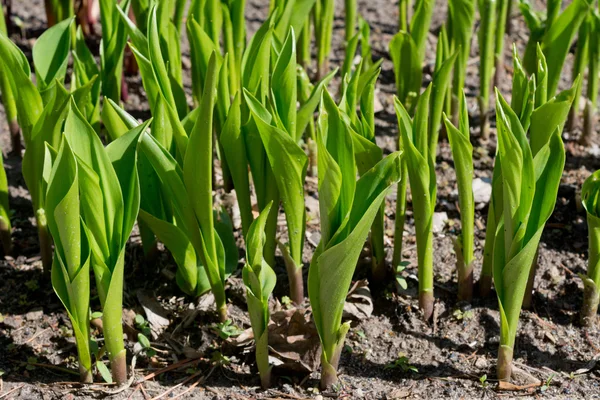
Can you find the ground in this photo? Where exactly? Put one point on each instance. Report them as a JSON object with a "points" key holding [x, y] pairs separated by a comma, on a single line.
{"points": [[451, 357]]}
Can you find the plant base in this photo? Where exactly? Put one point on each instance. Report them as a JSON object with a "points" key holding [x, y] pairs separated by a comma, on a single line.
{"points": [[426, 300], [485, 285], [223, 313], [118, 367], [587, 135], [591, 298], [505, 357], [5, 236], [15, 137], [465, 282], [85, 375], [45, 241]]}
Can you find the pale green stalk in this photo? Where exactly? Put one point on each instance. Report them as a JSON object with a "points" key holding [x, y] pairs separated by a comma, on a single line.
{"points": [[591, 281], [462, 17], [530, 186], [462, 153], [8, 98], [350, 9], [260, 280], [348, 209], [71, 266], [487, 10], [323, 34], [5, 225], [421, 171]]}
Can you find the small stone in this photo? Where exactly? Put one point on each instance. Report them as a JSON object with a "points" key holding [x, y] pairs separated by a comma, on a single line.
{"points": [[481, 363], [318, 397], [439, 221], [34, 315], [482, 190], [358, 393]]}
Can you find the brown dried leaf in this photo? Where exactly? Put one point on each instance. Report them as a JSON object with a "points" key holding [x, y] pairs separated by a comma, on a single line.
{"points": [[359, 303]]}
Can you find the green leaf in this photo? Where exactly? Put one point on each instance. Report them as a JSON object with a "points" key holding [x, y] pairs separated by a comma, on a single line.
{"points": [[51, 55], [558, 39], [407, 66], [289, 159]]}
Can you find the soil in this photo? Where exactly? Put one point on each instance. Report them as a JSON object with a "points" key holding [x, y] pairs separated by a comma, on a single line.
{"points": [[451, 357]]}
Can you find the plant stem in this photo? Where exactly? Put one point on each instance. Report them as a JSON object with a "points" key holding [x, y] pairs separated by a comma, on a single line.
{"points": [[465, 272], [118, 364], [591, 294], [303, 53], [403, 15], [485, 281], [222, 312], [502, 21], [587, 134], [296, 282], [591, 298], [350, 18], [530, 281], [505, 357], [378, 267], [85, 375], [5, 235], [45, 240], [400, 216]]}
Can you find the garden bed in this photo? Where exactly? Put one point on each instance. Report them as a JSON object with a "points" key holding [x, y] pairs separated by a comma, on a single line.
{"points": [[448, 357]]}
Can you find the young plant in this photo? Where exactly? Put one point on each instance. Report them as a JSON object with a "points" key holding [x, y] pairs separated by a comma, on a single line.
{"points": [[114, 38], [461, 18], [198, 248], [350, 9], [487, 10], [8, 97], [421, 171], [58, 10], [530, 187], [555, 34], [538, 117], [278, 134], [502, 24], [109, 185], [348, 209], [260, 280], [591, 282], [5, 225], [323, 18], [72, 255], [359, 93], [40, 115], [462, 153], [589, 112]]}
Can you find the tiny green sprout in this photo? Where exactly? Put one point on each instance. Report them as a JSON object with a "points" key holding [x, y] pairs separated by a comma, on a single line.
{"points": [[30, 364], [1, 318], [484, 382], [32, 285], [400, 281], [219, 359], [286, 301], [348, 349], [403, 363], [96, 315], [361, 334], [142, 325], [104, 372], [226, 329], [145, 343], [460, 315], [547, 383]]}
